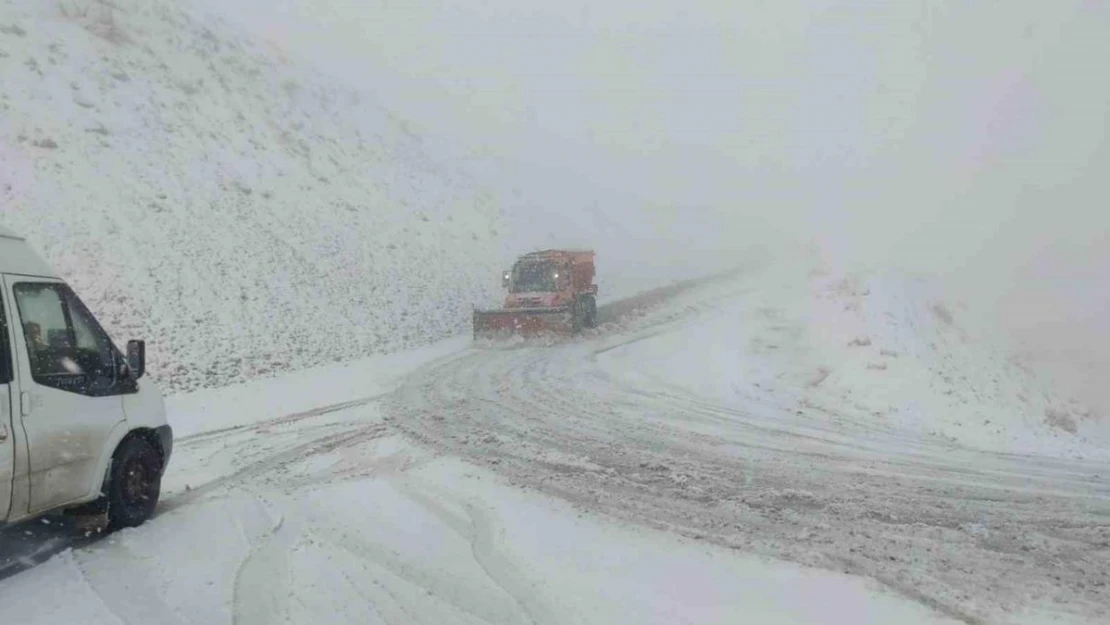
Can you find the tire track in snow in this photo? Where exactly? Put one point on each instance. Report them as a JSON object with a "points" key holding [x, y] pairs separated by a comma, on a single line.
{"points": [[479, 531], [24, 546], [458, 594], [270, 461], [138, 598], [260, 581], [283, 420], [84, 577]]}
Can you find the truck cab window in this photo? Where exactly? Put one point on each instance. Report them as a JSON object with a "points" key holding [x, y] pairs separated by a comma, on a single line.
{"points": [[534, 278], [66, 347]]}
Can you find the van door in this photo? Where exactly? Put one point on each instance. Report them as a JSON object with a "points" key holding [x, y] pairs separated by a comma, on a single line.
{"points": [[7, 433], [70, 390]]}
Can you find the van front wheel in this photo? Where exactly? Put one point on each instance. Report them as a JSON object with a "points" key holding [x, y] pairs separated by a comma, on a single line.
{"points": [[134, 485]]}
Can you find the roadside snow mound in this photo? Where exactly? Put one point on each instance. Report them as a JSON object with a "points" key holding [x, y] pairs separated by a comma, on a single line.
{"points": [[241, 214], [880, 353]]}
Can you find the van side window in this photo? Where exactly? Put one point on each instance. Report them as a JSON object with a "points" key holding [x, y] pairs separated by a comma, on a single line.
{"points": [[66, 347]]}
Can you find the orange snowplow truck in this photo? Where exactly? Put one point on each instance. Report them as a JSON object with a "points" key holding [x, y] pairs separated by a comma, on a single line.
{"points": [[552, 291]]}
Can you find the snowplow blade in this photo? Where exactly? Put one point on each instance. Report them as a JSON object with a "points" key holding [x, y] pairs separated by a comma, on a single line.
{"points": [[525, 322]]}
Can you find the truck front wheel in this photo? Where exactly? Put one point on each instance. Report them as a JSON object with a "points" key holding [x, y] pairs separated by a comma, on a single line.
{"points": [[591, 312], [134, 484], [578, 316]]}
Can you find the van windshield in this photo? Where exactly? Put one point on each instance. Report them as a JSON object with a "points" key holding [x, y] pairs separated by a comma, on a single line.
{"points": [[533, 278]]}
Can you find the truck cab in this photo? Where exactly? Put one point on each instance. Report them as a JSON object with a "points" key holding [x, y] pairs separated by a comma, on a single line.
{"points": [[80, 427], [550, 291]]}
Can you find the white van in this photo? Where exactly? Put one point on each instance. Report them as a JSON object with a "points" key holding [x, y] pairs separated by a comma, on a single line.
{"points": [[79, 428]]}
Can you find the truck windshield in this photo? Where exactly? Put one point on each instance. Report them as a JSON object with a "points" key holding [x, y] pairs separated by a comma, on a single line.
{"points": [[533, 278]]}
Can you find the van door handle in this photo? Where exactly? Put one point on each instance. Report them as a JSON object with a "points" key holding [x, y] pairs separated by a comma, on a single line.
{"points": [[3, 432], [25, 404]]}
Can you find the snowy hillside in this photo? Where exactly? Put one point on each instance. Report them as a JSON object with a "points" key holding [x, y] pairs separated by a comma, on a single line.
{"points": [[874, 354], [906, 355], [241, 213]]}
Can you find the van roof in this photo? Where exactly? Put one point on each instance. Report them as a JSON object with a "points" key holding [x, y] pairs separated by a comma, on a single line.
{"points": [[17, 257]]}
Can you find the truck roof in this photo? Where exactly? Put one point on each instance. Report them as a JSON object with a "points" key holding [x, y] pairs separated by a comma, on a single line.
{"points": [[578, 256], [17, 257]]}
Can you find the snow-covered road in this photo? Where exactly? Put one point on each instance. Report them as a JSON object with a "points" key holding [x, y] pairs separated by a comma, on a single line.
{"points": [[590, 481], [979, 536]]}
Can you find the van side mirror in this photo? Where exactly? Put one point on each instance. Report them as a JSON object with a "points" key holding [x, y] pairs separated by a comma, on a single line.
{"points": [[136, 358]]}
